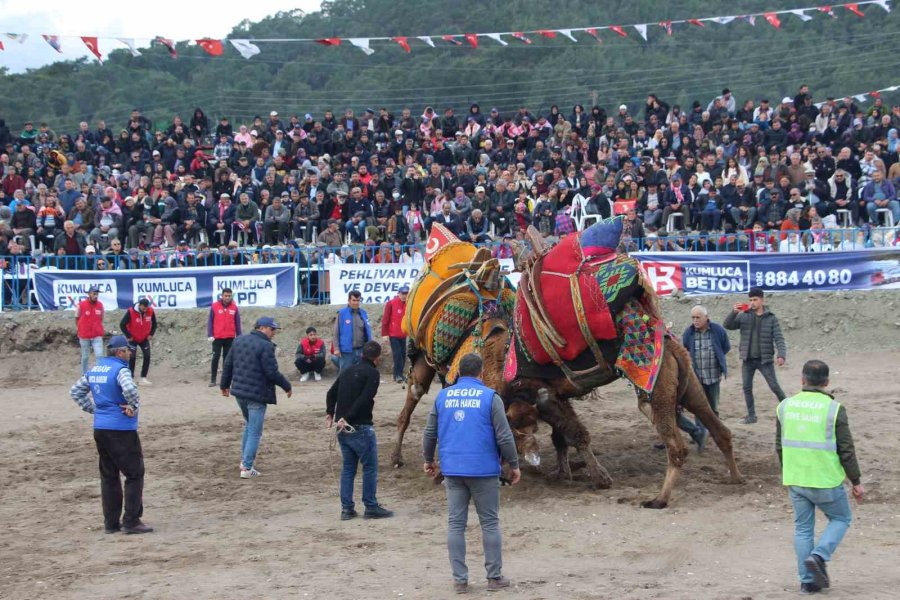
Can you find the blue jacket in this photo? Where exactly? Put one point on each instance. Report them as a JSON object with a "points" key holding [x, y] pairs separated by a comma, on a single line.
{"points": [[345, 328], [251, 370], [468, 446], [108, 396], [720, 342]]}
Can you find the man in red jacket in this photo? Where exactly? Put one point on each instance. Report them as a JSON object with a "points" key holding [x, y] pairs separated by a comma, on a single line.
{"points": [[391, 329], [89, 320], [223, 326], [139, 324]]}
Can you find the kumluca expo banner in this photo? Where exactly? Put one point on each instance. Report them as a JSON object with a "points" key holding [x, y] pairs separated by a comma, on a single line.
{"points": [[264, 286]]}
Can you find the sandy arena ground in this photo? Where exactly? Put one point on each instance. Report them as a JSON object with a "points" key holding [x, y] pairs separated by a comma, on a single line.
{"points": [[279, 536]]}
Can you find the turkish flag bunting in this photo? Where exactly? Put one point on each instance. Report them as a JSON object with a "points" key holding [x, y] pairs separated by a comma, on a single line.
{"points": [[329, 41], [875, 94], [618, 29], [773, 19], [667, 25], [696, 22], [472, 39], [451, 40], [521, 37], [592, 31], [91, 43], [440, 237], [170, 46], [827, 10], [2, 47], [854, 8], [212, 47], [403, 41], [547, 33]]}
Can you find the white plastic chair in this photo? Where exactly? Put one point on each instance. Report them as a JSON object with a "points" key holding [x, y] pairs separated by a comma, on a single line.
{"points": [[888, 217], [670, 223], [581, 216]]}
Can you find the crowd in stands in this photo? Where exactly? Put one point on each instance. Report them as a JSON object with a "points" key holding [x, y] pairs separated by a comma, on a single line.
{"points": [[368, 186]]}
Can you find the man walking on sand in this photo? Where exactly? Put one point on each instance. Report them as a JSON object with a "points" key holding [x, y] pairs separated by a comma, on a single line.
{"points": [[815, 448], [761, 343], [89, 321], [223, 325]]}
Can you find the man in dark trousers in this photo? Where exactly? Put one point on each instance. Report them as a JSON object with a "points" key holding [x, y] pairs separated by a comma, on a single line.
{"points": [[223, 325], [815, 448], [107, 391], [392, 330], [469, 421], [250, 373], [139, 324], [761, 343], [349, 406]]}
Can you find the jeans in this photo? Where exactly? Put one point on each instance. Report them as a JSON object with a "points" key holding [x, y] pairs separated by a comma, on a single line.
{"points": [[688, 426], [86, 345], [315, 365], [831, 501], [120, 452], [712, 395], [145, 358], [254, 414], [348, 359], [894, 207], [710, 219], [359, 448], [398, 353], [748, 217], [486, 493], [220, 347], [748, 369]]}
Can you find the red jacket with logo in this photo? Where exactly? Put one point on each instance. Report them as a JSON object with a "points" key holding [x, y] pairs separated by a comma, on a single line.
{"points": [[393, 318], [139, 326], [90, 319], [224, 321]]}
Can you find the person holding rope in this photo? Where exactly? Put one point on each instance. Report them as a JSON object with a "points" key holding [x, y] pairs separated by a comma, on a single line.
{"points": [[349, 406]]}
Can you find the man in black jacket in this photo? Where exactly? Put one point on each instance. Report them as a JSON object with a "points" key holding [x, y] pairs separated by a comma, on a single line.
{"points": [[349, 407], [251, 374]]}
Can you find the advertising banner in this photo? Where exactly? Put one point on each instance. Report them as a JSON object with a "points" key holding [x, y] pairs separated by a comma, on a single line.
{"points": [[376, 283]]}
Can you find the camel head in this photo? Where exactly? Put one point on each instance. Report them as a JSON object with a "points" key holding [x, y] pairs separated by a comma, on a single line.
{"points": [[523, 422]]}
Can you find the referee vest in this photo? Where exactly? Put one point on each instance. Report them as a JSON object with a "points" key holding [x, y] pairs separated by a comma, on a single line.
{"points": [[808, 443]]}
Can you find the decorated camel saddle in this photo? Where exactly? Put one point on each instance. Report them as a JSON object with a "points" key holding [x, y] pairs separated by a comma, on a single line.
{"points": [[581, 307], [459, 299]]}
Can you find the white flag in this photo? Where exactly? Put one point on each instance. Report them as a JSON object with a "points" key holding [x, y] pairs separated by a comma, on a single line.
{"points": [[893, 88], [245, 48], [568, 34], [496, 37], [860, 97], [18, 37], [642, 29], [883, 4], [724, 20], [427, 39], [362, 44], [801, 14], [130, 44]]}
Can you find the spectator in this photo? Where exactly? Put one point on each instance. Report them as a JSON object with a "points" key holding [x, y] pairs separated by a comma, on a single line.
{"points": [[392, 330], [23, 224], [310, 355], [880, 194], [139, 325], [351, 331]]}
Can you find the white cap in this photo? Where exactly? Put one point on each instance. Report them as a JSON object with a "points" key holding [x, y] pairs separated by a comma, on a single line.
{"points": [[787, 100], [479, 188], [274, 113], [623, 107], [254, 132], [90, 250]]}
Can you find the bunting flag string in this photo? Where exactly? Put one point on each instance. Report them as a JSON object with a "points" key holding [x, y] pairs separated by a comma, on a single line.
{"points": [[249, 48]]}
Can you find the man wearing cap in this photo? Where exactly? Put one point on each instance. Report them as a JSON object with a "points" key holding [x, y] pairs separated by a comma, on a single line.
{"points": [[108, 392], [392, 330], [761, 342], [223, 325], [139, 324], [251, 374], [89, 321]]}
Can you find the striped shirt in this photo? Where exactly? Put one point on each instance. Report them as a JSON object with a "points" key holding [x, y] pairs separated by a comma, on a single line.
{"points": [[81, 392]]}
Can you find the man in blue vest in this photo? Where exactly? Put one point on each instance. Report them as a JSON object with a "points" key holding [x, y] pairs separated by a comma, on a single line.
{"points": [[816, 451], [108, 392], [469, 420], [351, 331]]}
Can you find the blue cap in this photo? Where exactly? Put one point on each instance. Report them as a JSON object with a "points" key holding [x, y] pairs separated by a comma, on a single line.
{"points": [[267, 322], [94, 288], [118, 341], [404, 289]]}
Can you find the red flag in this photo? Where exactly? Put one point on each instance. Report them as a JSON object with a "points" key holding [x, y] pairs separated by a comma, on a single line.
{"points": [[91, 43], [773, 19], [547, 33], [827, 10], [170, 46], [451, 40], [696, 22], [667, 25], [403, 41], [521, 37], [875, 94], [212, 47], [854, 8], [329, 41], [472, 39], [592, 31], [618, 29], [2, 47], [440, 237]]}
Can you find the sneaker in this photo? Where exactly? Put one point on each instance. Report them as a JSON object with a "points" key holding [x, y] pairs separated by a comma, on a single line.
{"points": [[249, 473], [304, 377], [815, 564], [809, 588], [347, 514], [659, 446], [461, 587], [497, 583], [378, 512], [212, 384], [138, 527], [145, 381], [748, 420], [318, 377]]}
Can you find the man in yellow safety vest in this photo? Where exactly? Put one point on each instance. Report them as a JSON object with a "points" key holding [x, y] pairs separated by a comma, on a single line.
{"points": [[816, 451]]}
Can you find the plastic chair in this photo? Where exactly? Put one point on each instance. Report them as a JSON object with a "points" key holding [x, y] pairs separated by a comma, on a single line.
{"points": [[670, 223], [888, 217], [843, 218]]}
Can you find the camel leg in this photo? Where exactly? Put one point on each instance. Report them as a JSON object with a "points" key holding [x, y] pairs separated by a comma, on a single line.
{"points": [[695, 401], [561, 417], [662, 403], [563, 471], [420, 378]]}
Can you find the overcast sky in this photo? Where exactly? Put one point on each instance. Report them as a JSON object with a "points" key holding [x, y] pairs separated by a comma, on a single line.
{"points": [[177, 19]]}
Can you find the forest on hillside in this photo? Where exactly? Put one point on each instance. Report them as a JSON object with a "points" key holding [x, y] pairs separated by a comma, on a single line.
{"points": [[835, 56]]}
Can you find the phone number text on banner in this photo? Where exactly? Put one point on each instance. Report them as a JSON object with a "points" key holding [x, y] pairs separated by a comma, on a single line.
{"points": [[736, 272], [263, 285]]}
